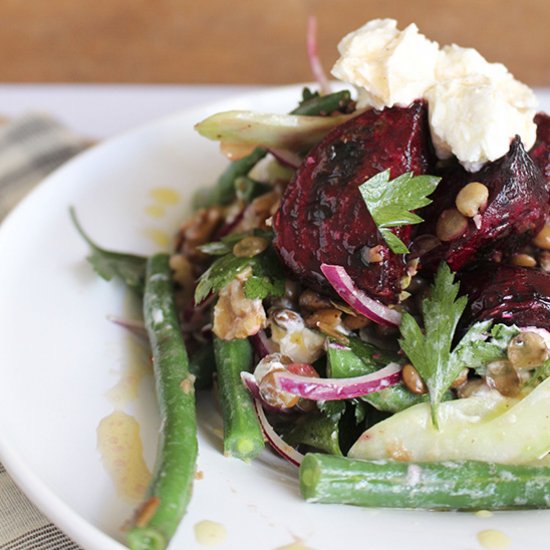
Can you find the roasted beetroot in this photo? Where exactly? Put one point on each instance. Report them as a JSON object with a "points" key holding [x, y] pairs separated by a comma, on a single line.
{"points": [[540, 153], [516, 209], [323, 219], [508, 294]]}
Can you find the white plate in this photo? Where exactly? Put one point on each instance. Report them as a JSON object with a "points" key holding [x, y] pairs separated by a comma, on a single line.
{"points": [[60, 357]]}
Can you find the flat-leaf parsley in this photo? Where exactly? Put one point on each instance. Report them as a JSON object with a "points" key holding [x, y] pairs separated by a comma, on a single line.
{"points": [[390, 202]]}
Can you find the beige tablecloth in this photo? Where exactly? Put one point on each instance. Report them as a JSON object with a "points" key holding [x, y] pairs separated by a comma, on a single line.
{"points": [[30, 148]]}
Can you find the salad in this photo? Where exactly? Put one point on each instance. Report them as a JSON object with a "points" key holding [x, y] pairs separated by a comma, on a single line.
{"points": [[367, 288]]}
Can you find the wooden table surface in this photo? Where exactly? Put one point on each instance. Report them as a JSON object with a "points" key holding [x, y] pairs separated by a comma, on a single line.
{"points": [[244, 41]]}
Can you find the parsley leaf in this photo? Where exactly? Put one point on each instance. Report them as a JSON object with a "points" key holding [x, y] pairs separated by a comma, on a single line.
{"points": [[332, 409], [219, 274], [267, 277], [502, 334], [479, 346], [540, 374], [390, 202], [262, 287], [130, 268], [430, 350], [215, 248], [318, 431]]}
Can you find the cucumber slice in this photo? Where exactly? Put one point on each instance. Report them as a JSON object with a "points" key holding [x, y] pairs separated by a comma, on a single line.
{"points": [[488, 427]]}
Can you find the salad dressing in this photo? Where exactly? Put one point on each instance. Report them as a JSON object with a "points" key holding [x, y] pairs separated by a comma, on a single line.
{"points": [[210, 533], [491, 539], [155, 211], [127, 387], [159, 237], [484, 514], [296, 545], [121, 450], [162, 197], [165, 196]]}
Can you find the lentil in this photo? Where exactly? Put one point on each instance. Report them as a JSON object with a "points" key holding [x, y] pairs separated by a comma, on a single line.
{"points": [[527, 350], [524, 260], [472, 198], [542, 239], [502, 376], [450, 225], [413, 380], [250, 247]]}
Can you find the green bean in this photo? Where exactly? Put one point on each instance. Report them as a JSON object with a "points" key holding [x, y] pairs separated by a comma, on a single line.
{"points": [[225, 188], [170, 489], [202, 366], [443, 485], [323, 104], [242, 434], [224, 192], [247, 189]]}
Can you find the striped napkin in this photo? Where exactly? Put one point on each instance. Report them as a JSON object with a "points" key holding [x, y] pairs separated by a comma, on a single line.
{"points": [[31, 147]]}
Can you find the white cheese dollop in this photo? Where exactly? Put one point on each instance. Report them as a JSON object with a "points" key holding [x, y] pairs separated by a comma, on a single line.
{"points": [[388, 66], [475, 107]]}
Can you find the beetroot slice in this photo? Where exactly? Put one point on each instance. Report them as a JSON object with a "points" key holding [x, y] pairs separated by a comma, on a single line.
{"points": [[508, 294], [540, 152], [323, 219], [515, 211]]}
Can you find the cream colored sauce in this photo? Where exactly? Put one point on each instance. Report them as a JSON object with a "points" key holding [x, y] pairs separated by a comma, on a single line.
{"points": [[210, 533], [165, 195], [484, 514], [159, 237], [491, 539], [137, 367], [119, 443]]}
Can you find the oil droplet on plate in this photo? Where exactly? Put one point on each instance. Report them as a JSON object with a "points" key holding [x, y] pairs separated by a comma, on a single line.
{"points": [[491, 539], [165, 195], [210, 533], [119, 444], [296, 545], [155, 211], [159, 237], [138, 366]]}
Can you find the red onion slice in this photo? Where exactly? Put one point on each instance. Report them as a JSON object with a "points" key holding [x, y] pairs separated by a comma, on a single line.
{"points": [[274, 439], [313, 55], [133, 326], [262, 344], [376, 311], [286, 158], [249, 380], [334, 389]]}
